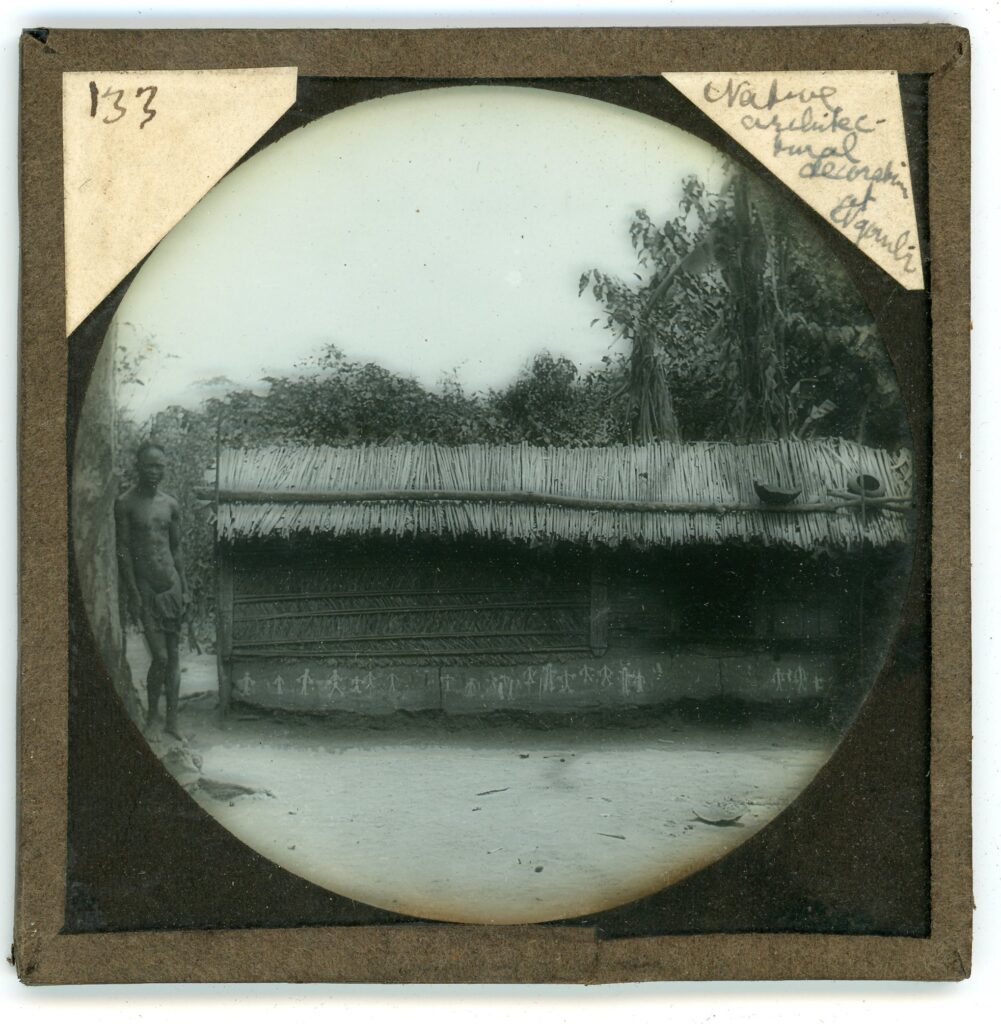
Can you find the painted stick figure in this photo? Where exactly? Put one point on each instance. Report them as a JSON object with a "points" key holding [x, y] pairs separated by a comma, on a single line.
{"points": [[333, 684]]}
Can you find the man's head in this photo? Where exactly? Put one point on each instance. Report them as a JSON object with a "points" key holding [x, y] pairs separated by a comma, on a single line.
{"points": [[151, 464]]}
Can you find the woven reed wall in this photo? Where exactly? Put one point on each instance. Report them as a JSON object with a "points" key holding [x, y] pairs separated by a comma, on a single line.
{"points": [[376, 605]]}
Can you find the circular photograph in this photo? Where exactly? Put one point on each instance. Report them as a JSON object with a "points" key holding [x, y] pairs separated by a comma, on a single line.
{"points": [[492, 503]]}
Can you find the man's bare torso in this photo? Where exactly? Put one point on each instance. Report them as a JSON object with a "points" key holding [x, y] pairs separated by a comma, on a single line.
{"points": [[150, 519]]}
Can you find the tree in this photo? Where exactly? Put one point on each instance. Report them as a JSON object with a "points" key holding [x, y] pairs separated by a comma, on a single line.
{"points": [[552, 402], [744, 326], [663, 316]]}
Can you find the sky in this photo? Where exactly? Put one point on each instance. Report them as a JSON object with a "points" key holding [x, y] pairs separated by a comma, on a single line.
{"points": [[431, 232]]}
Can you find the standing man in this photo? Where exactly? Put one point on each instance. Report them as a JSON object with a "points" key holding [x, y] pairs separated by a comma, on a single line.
{"points": [[151, 570]]}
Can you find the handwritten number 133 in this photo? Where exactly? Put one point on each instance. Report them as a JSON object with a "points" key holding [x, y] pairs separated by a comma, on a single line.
{"points": [[118, 108]]}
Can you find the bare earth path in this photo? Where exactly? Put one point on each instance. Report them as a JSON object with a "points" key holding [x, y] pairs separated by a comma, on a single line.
{"points": [[494, 823]]}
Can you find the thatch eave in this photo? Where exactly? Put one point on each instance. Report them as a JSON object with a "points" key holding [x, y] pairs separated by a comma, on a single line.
{"points": [[655, 495]]}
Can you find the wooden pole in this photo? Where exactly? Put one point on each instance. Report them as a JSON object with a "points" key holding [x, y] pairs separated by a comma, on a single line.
{"points": [[459, 653], [599, 606], [326, 612], [224, 590], [536, 498], [224, 624], [344, 638], [312, 595]]}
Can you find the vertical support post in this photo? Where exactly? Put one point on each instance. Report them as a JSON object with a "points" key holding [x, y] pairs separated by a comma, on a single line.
{"points": [[844, 694], [763, 613], [224, 624], [599, 606]]}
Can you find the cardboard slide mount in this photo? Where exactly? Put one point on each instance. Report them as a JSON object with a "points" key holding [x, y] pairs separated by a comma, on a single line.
{"points": [[186, 931]]}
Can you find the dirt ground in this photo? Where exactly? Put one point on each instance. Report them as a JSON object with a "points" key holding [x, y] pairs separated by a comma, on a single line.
{"points": [[489, 822]]}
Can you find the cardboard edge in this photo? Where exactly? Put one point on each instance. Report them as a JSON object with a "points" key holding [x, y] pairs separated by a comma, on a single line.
{"points": [[43, 956]]}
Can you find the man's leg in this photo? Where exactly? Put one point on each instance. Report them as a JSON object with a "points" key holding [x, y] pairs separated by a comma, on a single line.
{"points": [[157, 670], [153, 686], [172, 682]]}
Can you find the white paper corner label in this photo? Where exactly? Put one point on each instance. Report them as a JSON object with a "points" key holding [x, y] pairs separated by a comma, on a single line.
{"points": [[140, 149], [836, 138]]}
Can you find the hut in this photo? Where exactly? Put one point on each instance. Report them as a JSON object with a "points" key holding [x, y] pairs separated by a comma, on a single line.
{"points": [[482, 577]]}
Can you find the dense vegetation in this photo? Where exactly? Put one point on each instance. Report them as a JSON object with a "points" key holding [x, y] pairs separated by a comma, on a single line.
{"points": [[743, 327]]}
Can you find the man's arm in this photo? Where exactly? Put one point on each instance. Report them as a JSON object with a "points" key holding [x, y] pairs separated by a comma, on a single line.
{"points": [[175, 546], [123, 548]]}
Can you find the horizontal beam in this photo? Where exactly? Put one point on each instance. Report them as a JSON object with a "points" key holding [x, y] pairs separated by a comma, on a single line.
{"points": [[410, 609], [226, 496], [240, 654], [277, 644], [434, 592]]}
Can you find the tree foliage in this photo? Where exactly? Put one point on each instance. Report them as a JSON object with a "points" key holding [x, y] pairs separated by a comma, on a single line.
{"points": [[755, 330]]}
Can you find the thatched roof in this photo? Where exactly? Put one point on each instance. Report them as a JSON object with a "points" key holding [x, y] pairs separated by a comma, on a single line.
{"points": [[663, 494]]}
